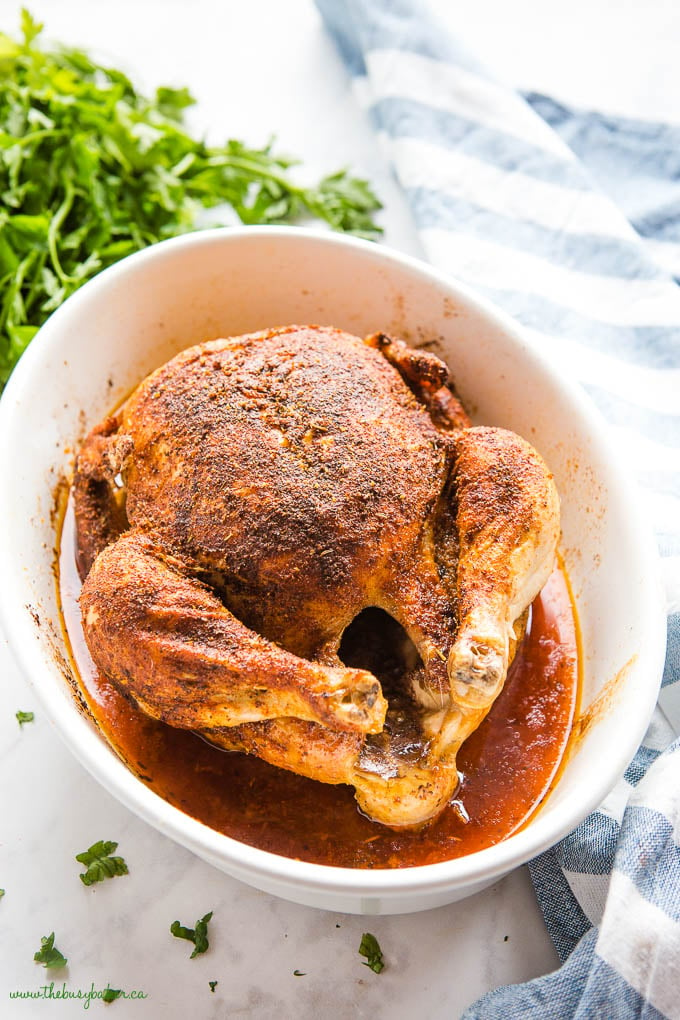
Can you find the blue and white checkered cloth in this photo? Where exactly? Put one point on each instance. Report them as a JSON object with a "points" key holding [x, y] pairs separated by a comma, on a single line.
{"points": [[569, 220]]}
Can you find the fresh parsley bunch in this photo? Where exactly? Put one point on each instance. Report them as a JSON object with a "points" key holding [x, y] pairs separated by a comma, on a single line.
{"points": [[90, 171]]}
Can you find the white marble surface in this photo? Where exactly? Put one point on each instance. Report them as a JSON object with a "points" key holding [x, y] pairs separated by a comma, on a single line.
{"points": [[117, 932], [255, 68]]}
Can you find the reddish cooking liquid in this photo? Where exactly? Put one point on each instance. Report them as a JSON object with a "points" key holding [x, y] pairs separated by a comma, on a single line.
{"points": [[507, 765]]}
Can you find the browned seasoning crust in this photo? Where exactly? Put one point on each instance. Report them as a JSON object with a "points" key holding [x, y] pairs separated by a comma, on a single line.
{"points": [[275, 485]]}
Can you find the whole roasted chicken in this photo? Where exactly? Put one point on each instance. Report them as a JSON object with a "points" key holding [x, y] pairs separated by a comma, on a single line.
{"points": [[252, 497]]}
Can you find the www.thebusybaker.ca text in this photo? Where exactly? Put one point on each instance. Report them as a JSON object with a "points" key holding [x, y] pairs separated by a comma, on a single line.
{"points": [[86, 996]]}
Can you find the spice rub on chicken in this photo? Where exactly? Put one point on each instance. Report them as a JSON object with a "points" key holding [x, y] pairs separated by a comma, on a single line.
{"points": [[252, 497]]}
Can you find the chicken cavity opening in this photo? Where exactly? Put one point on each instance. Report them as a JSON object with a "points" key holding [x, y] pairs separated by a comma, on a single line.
{"points": [[375, 641]]}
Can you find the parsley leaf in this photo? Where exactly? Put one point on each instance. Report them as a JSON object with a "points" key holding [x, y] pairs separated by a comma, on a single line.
{"points": [[213, 985], [111, 994], [92, 170], [100, 863], [371, 950], [197, 935], [30, 28], [2, 893], [24, 717], [48, 954]]}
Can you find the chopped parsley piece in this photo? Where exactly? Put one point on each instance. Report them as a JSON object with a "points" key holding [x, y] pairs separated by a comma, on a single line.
{"points": [[299, 973], [48, 954], [111, 994], [213, 985], [2, 893], [100, 863], [371, 950], [24, 717], [197, 935]]}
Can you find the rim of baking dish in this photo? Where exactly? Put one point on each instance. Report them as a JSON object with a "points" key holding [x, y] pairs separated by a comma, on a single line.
{"points": [[248, 862]]}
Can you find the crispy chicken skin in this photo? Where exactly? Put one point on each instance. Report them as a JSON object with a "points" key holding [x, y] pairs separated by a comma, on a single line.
{"points": [[252, 497]]}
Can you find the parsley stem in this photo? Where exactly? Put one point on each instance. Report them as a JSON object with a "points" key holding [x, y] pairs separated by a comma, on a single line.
{"points": [[29, 139], [53, 232], [35, 285], [185, 162], [14, 289], [258, 170]]}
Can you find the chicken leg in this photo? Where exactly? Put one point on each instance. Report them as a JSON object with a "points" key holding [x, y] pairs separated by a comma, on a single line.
{"points": [[186, 660]]}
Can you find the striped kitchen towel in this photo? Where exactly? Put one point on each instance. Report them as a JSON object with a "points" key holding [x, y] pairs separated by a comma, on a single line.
{"points": [[571, 222]]}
